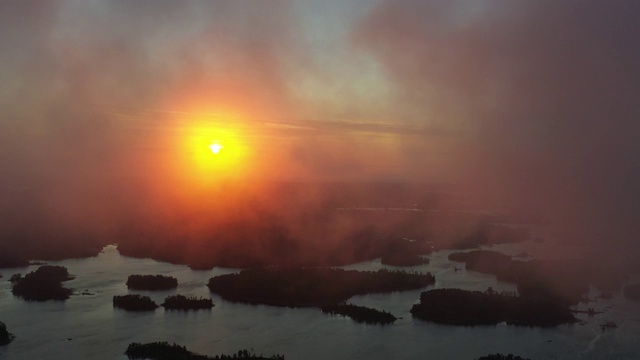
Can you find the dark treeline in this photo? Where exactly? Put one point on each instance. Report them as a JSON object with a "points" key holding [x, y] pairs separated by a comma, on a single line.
{"points": [[43, 284], [5, 336], [166, 351], [151, 282], [360, 314], [301, 287], [134, 302], [181, 302], [461, 307], [563, 280]]}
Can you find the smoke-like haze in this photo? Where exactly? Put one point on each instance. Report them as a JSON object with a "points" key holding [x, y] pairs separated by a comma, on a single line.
{"points": [[547, 91], [527, 105]]}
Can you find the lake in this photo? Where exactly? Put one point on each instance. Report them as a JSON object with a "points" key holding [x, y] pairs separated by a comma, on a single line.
{"points": [[88, 327]]}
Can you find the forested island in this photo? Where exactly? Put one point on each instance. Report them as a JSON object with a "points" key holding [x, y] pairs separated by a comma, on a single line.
{"points": [[300, 287], [151, 282], [632, 292], [166, 351], [462, 307], [566, 280], [181, 302], [360, 314], [134, 303], [43, 284], [5, 336]]}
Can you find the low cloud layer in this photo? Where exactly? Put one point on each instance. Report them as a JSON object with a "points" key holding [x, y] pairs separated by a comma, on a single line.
{"points": [[547, 90], [525, 105]]}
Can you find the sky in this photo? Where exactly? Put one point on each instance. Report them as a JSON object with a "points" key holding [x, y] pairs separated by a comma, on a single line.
{"points": [[533, 104]]}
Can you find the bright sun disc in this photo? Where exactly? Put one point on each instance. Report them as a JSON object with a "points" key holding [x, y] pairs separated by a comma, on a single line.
{"points": [[215, 148]]}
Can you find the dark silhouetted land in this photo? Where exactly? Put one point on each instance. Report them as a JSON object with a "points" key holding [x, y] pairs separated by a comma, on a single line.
{"points": [[487, 234], [461, 307], [151, 282], [360, 314], [180, 302], [43, 284], [302, 287], [5, 336], [166, 351], [134, 303]]}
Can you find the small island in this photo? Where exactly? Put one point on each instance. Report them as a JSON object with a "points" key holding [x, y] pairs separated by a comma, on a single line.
{"points": [[5, 336], [180, 302], [166, 351], [462, 307], [151, 282], [632, 292], [360, 314], [134, 303], [309, 287], [43, 284]]}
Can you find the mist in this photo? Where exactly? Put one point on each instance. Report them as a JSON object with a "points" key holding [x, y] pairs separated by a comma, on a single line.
{"points": [[545, 91], [528, 107]]}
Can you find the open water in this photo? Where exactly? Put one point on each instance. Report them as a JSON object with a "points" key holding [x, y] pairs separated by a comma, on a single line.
{"points": [[88, 327]]}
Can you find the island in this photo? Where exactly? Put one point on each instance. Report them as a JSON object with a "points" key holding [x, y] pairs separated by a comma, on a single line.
{"points": [[180, 302], [309, 287], [134, 303], [632, 292], [360, 314], [43, 284], [462, 307], [151, 282], [166, 351], [5, 336]]}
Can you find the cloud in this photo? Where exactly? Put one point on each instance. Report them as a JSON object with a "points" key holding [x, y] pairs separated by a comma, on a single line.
{"points": [[547, 89]]}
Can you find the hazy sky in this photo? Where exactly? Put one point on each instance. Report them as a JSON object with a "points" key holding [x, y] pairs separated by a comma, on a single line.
{"points": [[532, 103]]}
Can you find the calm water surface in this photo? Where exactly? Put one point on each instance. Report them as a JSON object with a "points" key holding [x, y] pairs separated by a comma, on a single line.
{"points": [[88, 327]]}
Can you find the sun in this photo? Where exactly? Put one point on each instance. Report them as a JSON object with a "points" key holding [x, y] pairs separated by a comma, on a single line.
{"points": [[215, 148]]}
